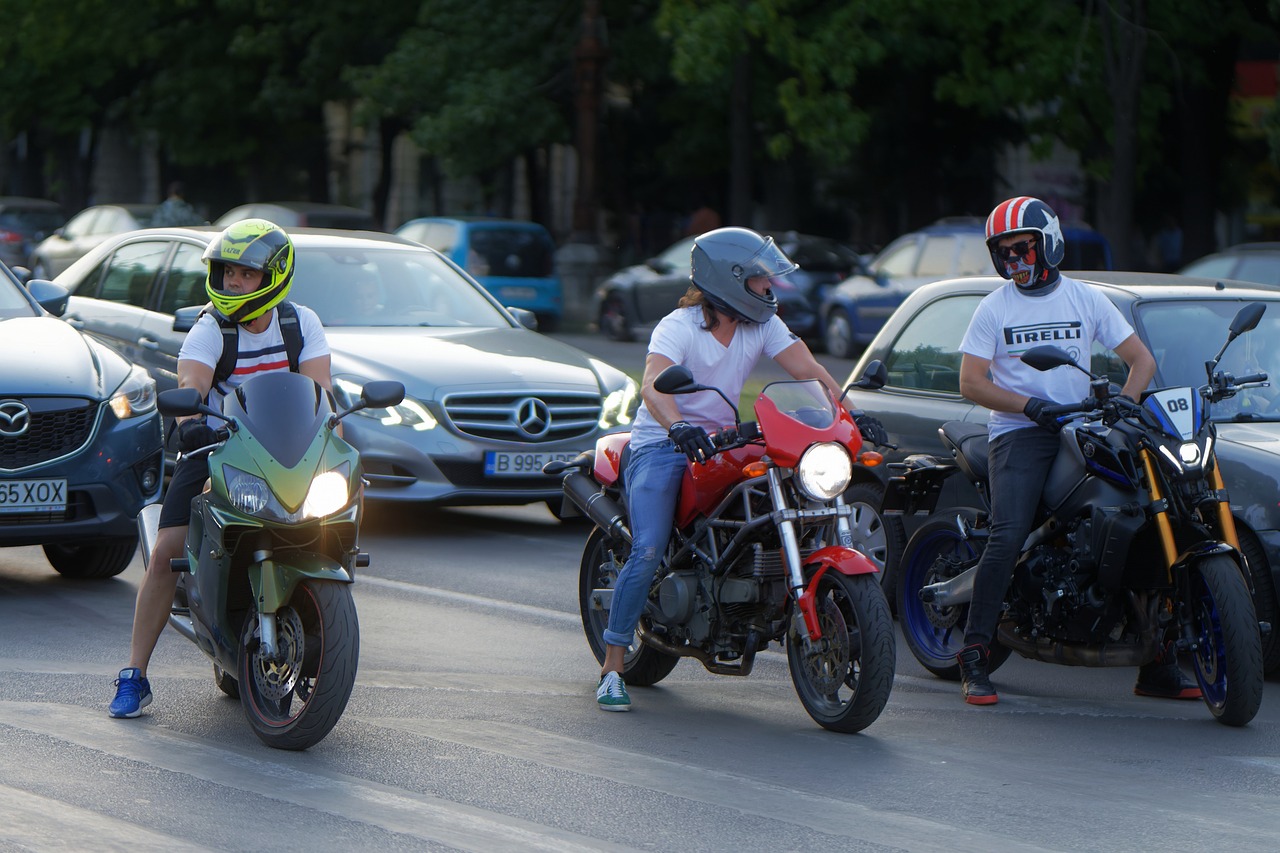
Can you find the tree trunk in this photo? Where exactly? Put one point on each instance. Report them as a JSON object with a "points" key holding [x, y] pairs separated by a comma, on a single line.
{"points": [[1124, 38]]}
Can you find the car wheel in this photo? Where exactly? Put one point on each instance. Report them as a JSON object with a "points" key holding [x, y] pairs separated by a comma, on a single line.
{"points": [[614, 323], [881, 538], [838, 334], [90, 560]]}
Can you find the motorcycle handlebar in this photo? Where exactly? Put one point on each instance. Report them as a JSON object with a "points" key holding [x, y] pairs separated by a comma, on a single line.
{"points": [[1252, 377]]}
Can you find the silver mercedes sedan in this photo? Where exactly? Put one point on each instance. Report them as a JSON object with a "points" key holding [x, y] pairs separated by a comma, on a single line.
{"points": [[488, 401]]}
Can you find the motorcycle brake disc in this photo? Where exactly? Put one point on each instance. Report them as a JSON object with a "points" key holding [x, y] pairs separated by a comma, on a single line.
{"points": [[275, 678], [943, 569], [827, 661]]}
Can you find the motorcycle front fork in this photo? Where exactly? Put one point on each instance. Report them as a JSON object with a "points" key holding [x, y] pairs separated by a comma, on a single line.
{"points": [[805, 618]]}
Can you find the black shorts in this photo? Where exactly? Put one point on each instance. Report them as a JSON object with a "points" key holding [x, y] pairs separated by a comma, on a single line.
{"points": [[187, 482]]}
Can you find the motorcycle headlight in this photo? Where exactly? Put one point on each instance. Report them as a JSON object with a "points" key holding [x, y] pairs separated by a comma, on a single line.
{"points": [[409, 412], [619, 406], [1189, 453], [824, 471], [250, 494], [135, 396], [327, 495]]}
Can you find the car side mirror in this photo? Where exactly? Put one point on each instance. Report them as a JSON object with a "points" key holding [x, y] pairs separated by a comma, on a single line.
{"points": [[185, 318], [52, 297], [524, 317]]}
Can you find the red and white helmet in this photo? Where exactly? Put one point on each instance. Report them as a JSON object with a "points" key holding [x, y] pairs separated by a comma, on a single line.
{"points": [[1028, 215]]}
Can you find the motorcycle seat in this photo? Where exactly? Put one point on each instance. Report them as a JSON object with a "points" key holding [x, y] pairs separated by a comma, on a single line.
{"points": [[968, 443]]}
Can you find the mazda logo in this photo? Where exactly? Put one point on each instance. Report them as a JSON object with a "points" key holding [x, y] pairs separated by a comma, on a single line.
{"points": [[533, 417], [15, 418]]}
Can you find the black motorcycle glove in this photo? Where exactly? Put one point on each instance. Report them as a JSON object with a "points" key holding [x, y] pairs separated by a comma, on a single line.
{"points": [[692, 441], [872, 430], [1035, 409], [194, 434]]}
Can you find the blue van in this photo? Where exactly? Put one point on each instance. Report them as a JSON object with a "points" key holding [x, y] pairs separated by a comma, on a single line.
{"points": [[512, 259]]}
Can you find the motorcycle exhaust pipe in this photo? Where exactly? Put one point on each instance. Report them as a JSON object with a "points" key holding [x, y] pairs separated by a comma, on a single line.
{"points": [[1075, 654], [148, 530], [596, 505], [957, 590]]}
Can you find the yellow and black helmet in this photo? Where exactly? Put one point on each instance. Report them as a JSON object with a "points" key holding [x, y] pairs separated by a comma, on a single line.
{"points": [[260, 245]]}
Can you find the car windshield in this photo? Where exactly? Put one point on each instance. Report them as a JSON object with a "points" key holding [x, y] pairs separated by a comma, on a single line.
{"points": [[19, 219], [1184, 334], [388, 287], [13, 302]]}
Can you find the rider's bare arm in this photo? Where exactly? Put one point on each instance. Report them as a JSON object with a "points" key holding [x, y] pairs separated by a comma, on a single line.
{"points": [[1142, 365], [976, 386], [321, 371], [197, 375], [662, 406], [798, 361]]}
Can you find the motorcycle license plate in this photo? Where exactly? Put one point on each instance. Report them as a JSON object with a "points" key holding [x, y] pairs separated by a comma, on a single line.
{"points": [[33, 495], [522, 464]]}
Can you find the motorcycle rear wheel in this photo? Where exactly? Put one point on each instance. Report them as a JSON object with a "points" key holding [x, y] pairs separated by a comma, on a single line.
{"points": [[935, 635], [1228, 656], [844, 679], [293, 702], [601, 561]]}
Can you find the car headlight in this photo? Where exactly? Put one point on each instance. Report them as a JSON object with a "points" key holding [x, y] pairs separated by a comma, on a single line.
{"points": [[250, 494], [135, 396], [409, 412], [824, 471], [620, 406]]}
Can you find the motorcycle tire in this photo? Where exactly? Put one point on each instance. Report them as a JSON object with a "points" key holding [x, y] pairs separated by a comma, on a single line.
{"points": [[602, 559], [294, 702], [844, 678], [1228, 653], [935, 635], [224, 682]]}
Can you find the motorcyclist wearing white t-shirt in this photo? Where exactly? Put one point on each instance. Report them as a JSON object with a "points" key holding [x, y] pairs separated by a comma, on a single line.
{"points": [[250, 272], [725, 322], [1041, 305]]}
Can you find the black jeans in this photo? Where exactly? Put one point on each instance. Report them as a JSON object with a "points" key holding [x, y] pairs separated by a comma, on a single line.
{"points": [[1019, 462]]}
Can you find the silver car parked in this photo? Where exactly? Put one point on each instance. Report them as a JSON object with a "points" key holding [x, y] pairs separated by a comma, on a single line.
{"points": [[488, 401]]}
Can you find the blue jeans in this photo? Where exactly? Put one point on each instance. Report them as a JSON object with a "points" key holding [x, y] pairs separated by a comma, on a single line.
{"points": [[653, 487], [1019, 462]]}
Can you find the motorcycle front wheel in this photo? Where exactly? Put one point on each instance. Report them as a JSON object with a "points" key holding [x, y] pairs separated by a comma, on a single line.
{"points": [[938, 552], [844, 677], [602, 559], [1228, 654], [294, 699]]}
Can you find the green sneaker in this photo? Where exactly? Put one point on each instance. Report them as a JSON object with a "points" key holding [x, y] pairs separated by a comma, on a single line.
{"points": [[611, 694]]}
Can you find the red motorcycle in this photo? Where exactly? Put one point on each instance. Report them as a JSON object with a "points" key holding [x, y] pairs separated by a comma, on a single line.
{"points": [[761, 551]]}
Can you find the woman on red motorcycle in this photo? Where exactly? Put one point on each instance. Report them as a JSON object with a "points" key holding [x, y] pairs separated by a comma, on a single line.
{"points": [[721, 327]]}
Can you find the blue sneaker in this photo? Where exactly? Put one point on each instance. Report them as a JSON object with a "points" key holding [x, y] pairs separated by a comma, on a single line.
{"points": [[133, 693]]}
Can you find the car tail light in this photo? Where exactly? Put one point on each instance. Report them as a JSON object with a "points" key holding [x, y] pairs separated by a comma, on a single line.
{"points": [[10, 237]]}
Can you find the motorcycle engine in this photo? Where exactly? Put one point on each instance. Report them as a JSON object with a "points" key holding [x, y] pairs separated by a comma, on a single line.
{"points": [[1057, 594]]}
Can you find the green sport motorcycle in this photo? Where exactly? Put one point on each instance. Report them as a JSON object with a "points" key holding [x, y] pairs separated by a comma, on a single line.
{"points": [[271, 552]]}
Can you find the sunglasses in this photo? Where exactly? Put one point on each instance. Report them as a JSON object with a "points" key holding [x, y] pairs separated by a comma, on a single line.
{"points": [[1021, 249]]}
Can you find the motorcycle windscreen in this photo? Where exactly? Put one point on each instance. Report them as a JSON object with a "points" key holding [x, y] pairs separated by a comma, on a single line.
{"points": [[283, 411]]}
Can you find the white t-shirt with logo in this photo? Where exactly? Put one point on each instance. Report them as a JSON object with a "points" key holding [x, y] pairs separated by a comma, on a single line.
{"points": [[680, 337], [259, 353], [1008, 323]]}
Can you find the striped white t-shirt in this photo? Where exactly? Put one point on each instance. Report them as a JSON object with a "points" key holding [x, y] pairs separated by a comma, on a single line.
{"points": [[259, 353]]}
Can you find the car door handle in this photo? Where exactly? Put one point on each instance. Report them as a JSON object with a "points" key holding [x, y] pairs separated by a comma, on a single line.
{"points": [[74, 322], [149, 343]]}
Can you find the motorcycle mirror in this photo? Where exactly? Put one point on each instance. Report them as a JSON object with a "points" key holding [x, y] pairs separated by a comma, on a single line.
{"points": [[1247, 318], [177, 402], [676, 379], [382, 394], [874, 377], [1047, 357]]}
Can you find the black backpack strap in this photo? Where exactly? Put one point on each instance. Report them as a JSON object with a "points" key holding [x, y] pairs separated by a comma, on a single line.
{"points": [[291, 331], [230, 346]]}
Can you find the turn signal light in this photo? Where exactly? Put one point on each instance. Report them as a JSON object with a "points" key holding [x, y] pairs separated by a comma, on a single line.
{"points": [[755, 469], [870, 458]]}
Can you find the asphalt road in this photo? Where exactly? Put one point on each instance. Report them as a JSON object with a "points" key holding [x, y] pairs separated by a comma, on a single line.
{"points": [[473, 727]]}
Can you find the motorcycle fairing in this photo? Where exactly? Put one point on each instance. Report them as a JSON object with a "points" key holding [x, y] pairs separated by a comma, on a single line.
{"points": [[789, 434], [1178, 411]]}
